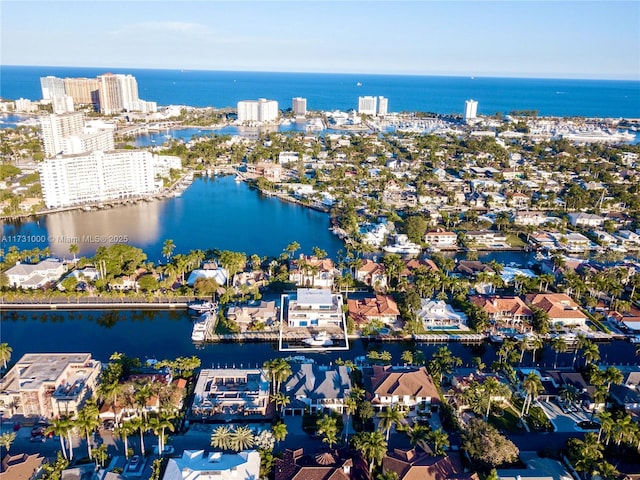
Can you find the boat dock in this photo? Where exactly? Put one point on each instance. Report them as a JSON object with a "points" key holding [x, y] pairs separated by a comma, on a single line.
{"points": [[454, 337]]}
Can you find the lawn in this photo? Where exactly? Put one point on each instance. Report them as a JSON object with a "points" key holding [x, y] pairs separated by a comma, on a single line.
{"points": [[506, 420]]}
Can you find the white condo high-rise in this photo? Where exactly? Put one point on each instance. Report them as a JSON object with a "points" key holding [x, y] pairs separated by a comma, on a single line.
{"points": [[383, 106], [56, 127], [368, 105], [52, 87], [97, 176], [299, 106], [262, 110], [470, 110], [117, 93]]}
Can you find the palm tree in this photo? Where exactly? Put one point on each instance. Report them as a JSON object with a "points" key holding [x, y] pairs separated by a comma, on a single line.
{"points": [[591, 352], [88, 420], [73, 250], [389, 417], [167, 249], [350, 407], [140, 424], [418, 435], [613, 376], [492, 387], [536, 344], [280, 400], [440, 440], [279, 431], [558, 344], [5, 354], [124, 431], [221, 438], [532, 385], [6, 439], [372, 446], [111, 392], [581, 341], [241, 438], [622, 427], [586, 453], [606, 424], [328, 428], [61, 427], [407, 357], [388, 475], [606, 471]]}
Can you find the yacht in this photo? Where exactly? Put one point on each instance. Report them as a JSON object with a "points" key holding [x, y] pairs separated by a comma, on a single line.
{"points": [[202, 307], [403, 246], [320, 339], [201, 327]]}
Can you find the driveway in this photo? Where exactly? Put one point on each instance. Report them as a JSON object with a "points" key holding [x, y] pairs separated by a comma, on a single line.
{"points": [[564, 422]]}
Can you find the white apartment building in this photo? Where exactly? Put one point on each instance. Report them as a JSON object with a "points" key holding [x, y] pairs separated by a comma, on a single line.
{"points": [[25, 105], [261, 110], [313, 307], [88, 142], [56, 127], [383, 106], [368, 105], [299, 106], [48, 384], [62, 104], [470, 110], [96, 177], [52, 87]]}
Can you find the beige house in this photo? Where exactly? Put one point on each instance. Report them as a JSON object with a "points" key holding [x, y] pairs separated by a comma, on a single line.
{"points": [[24, 275], [403, 386], [245, 315], [48, 384]]}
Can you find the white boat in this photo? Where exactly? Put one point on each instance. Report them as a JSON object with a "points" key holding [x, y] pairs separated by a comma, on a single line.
{"points": [[300, 359], [201, 327], [496, 337], [403, 249], [320, 339], [202, 307], [635, 339]]}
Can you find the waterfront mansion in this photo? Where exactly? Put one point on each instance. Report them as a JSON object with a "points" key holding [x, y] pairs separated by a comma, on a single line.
{"points": [[312, 307]]}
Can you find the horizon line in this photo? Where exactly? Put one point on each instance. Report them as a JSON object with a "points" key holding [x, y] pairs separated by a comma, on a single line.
{"points": [[453, 75]]}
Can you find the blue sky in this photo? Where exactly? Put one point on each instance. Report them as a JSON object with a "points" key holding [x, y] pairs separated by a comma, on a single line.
{"points": [[575, 39]]}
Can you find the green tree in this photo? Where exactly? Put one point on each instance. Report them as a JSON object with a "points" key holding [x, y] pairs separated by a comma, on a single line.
{"points": [[241, 439], [6, 439], [585, 454], [279, 431], [440, 441], [532, 385], [221, 438], [167, 249], [390, 417], [62, 427], [87, 421], [372, 446], [327, 427], [5, 354], [558, 345], [485, 444]]}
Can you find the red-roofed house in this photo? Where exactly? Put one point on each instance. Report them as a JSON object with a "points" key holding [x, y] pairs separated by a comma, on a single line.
{"points": [[404, 386], [373, 274], [312, 272], [365, 310], [560, 308], [413, 465], [505, 312], [441, 239]]}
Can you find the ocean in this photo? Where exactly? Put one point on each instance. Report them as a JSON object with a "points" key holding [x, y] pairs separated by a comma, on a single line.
{"points": [[327, 92]]}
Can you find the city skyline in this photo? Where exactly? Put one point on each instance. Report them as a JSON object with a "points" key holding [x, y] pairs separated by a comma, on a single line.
{"points": [[541, 39]]}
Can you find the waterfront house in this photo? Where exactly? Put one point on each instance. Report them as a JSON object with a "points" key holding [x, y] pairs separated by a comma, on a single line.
{"points": [[436, 314], [313, 307], [441, 240], [316, 388], [309, 271], [414, 465], [581, 219], [255, 278], [505, 312], [404, 386], [372, 274], [32, 276], [470, 268], [196, 465], [325, 465], [517, 200], [48, 384], [245, 315], [461, 382], [213, 272], [487, 239], [230, 392], [381, 307], [413, 264], [270, 171], [560, 308], [629, 320], [531, 218]]}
